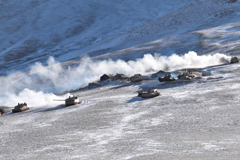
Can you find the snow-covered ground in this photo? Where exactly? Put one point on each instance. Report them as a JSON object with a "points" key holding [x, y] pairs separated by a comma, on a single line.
{"points": [[197, 120], [191, 120]]}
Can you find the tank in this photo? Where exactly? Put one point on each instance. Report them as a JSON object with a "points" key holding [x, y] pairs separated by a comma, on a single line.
{"points": [[234, 60], [159, 74], [20, 107], [71, 100], [186, 76], [106, 77], [150, 93], [166, 78], [120, 77], [136, 78], [2, 110]]}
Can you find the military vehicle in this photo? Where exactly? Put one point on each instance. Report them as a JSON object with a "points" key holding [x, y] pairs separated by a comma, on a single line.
{"points": [[136, 78], [120, 77], [20, 107], [166, 78], [150, 93], [234, 60], [2, 110], [186, 76], [159, 74], [106, 77], [71, 100]]}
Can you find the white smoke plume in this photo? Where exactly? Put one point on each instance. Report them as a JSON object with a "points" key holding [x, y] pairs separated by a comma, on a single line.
{"points": [[62, 79], [38, 85], [33, 98]]}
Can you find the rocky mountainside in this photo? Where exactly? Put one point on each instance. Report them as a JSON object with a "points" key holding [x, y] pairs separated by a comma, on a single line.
{"points": [[33, 30], [43, 48]]}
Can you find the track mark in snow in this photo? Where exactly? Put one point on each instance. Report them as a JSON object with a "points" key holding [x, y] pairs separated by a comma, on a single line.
{"points": [[212, 147]]}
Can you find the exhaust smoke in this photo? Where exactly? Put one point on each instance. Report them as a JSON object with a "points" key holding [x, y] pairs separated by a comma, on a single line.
{"points": [[37, 86]]}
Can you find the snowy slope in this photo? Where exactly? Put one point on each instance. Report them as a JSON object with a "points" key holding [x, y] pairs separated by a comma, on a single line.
{"points": [[190, 120], [33, 30], [185, 29], [198, 120]]}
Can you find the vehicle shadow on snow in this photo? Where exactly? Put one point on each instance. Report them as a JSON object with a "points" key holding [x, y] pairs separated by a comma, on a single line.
{"points": [[165, 85], [126, 85], [173, 84], [136, 99], [51, 109], [10, 113]]}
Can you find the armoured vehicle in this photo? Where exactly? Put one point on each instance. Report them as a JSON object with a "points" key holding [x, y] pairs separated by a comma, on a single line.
{"points": [[105, 77], [167, 77], [234, 60], [120, 77], [159, 74], [20, 107], [136, 78], [186, 76], [2, 110], [150, 93], [71, 100], [206, 73]]}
